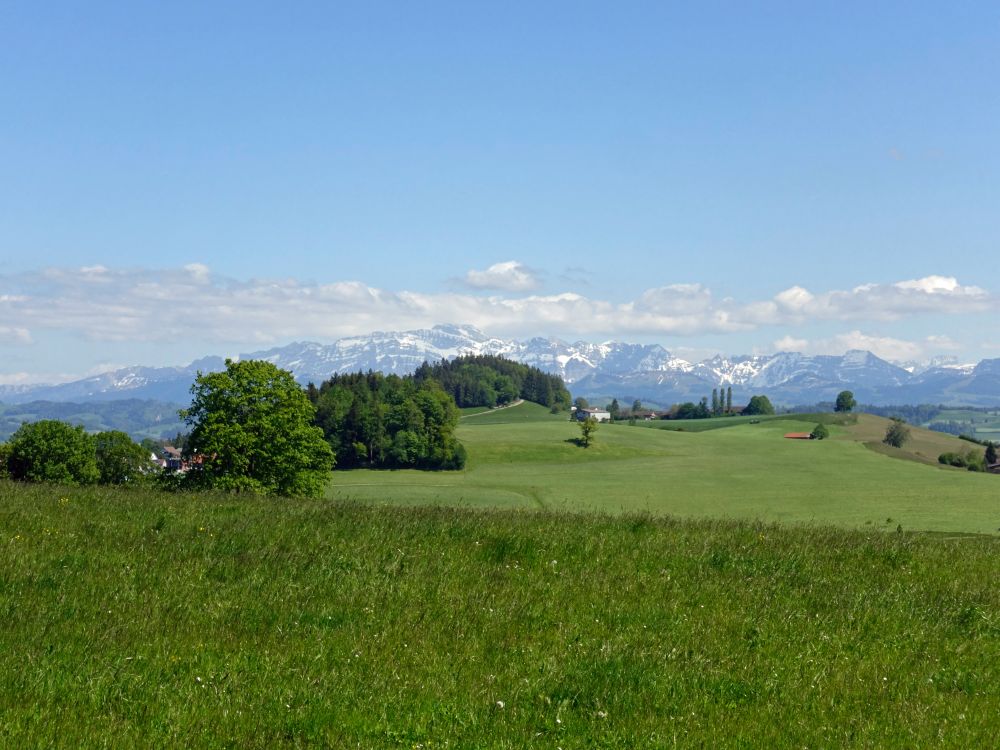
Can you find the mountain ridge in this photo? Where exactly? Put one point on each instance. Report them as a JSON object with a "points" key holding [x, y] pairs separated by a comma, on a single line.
{"points": [[594, 370]]}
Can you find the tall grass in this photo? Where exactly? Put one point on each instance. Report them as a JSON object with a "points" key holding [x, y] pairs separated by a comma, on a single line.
{"points": [[141, 619]]}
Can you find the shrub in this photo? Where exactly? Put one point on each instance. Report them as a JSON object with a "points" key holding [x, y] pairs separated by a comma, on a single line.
{"points": [[897, 433], [820, 432], [52, 451]]}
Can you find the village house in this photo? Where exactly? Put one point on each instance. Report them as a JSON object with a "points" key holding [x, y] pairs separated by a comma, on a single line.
{"points": [[601, 415], [172, 458]]}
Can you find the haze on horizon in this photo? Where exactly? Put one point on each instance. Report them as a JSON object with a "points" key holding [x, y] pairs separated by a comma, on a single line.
{"points": [[186, 180]]}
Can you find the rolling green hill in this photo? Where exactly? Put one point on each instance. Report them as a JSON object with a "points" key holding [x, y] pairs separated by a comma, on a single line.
{"points": [[524, 457]]}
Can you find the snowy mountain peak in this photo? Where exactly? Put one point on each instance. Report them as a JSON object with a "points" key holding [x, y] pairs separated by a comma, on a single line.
{"points": [[599, 370]]}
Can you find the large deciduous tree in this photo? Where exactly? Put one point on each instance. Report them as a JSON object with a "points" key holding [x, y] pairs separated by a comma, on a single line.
{"points": [[845, 402], [52, 451], [759, 405], [252, 431]]}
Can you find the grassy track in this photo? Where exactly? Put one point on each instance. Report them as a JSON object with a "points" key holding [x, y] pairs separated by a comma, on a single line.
{"points": [[135, 619], [521, 458]]}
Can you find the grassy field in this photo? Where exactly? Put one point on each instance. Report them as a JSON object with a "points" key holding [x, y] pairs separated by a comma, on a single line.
{"points": [[135, 619], [704, 425], [524, 457]]}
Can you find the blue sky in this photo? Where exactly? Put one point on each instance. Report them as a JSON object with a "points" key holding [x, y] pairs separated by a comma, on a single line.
{"points": [[243, 175]]}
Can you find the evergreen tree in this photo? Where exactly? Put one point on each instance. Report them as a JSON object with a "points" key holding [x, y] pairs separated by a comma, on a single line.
{"points": [[715, 402], [614, 409], [729, 400]]}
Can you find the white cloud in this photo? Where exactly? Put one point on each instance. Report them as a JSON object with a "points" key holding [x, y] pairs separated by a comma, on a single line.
{"points": [[791, 344], [193, 303], [14, 334], [509, 276], [886, 347]]}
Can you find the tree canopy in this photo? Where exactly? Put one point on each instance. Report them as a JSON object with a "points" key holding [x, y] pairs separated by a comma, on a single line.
{"points": [[759, 405], [381, 421], [488, 380], [252, 430], [820, 432], [588, 427], [52, 451], [845, 402], [897, 433], [120, 460]]}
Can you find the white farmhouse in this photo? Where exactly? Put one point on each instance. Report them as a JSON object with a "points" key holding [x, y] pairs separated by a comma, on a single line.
{"points": [[600, 415]]}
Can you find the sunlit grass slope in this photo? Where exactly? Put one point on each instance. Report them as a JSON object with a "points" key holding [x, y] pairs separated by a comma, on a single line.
{"points": [[147, 620], [745, 471]]}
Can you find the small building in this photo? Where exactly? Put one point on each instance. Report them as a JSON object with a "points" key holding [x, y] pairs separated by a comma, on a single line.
{"points": [[798, 436], [172, 457], [601, 415], [993, 468]]}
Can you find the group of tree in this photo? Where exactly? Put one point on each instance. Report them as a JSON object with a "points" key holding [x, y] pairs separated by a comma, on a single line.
{"points": [[254, 429], [488, 380], [722, 401], [971, 460], [53, 451], [385, 421], [615, 410], [722, 405]]}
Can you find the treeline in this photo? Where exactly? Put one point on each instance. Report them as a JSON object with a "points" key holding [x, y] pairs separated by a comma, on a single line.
{"points": [[385, 421], [53, 451], [914, 414], [488, 380], [254, 429], [722, 405]]}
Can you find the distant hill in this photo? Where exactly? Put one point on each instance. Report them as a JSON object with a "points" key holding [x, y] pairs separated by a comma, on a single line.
{"points": [[139, 418], [626, 371]]}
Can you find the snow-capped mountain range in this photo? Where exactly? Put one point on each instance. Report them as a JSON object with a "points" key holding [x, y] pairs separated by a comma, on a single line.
{"points": [[645, 371]]}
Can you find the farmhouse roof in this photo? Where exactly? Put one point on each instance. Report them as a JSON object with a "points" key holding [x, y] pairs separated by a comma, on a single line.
{"points": [[798, 436]]}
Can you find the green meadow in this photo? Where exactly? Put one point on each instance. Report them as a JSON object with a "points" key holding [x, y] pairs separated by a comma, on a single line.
{"points": [[525, 457], [722, 588], [138, 619]]}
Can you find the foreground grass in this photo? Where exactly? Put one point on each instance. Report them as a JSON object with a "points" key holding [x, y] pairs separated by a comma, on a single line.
{"points": [[139, 619]]}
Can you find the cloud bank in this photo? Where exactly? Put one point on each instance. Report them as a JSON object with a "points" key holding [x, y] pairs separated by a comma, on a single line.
{"points": [[104, 304]]}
